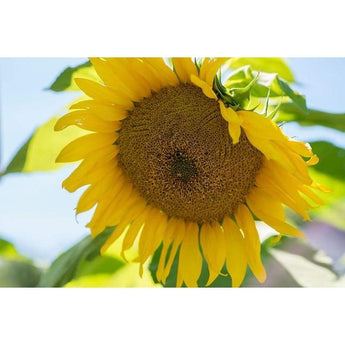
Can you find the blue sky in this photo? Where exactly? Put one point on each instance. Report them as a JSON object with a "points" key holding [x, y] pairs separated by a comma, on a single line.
{"points": [[37, 215]]}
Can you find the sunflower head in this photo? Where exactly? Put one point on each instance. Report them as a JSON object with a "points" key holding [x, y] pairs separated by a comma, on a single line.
{"points": [[181, 158], [173, 161]]}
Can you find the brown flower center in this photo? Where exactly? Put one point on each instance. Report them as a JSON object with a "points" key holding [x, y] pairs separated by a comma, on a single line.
{"points": [[176, 149]]}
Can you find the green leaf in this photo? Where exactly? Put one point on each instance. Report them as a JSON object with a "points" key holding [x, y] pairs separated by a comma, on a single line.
{"points": [[41, 149], [8, 251], [333, 215], [330, 171], [65, 267], [99, 265], [297, 98], [15, 269], [65, 81], [336, 187], [111, 272], [290, 112], [332, 159], [15, 273], [270, 65], [18, 161]]}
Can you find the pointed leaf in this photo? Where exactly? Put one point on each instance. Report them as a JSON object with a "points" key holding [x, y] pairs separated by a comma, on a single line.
{"points": [[65, 267], [41, 149], [332, 159], [15, 273], [65, 81], [294, 96], [291, 112], [330, 171], [8, 251]]}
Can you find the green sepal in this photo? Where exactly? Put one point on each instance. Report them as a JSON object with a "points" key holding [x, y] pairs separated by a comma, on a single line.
{"points": [[241, 78], [223, 94], [264, 112], [241, 95], [272, 115]]}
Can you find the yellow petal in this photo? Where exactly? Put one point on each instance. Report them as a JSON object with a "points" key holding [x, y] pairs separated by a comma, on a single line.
{"points": [[234, 121], [300, 148], [213, 247], [113, 237], [190, 259], [165, 73], [110, 78], [213, 69], [96, 219], [134, 82], [287, 196], [276, 177], [308, 192], [152, 234], [178, 228], [272, 151], [133, 231], [235, 132], [122, 196], [95, 192], [91, 164], [103, 93], [260, 126], [282, 227], [184, 68], [107, 206], [236, 260], [168, 238], [204, 68], [266, 203], [313, 160], [270, 218], [86, 120], [206, 89], [123, 225], [229, 114], [147, 72], [320, 187], [246, 222], [86, 144], [119, 216], [301, 169], [106, 112]]}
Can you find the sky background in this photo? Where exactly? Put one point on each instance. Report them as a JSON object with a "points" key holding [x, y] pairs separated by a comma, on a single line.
{"points": [[36, 214]]}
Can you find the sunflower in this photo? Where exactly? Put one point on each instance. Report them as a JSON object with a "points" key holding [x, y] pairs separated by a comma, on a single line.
{"points": [[171, 163]]}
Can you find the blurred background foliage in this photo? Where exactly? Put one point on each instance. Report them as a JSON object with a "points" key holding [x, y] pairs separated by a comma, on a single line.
{"points": [[266, 84]]}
